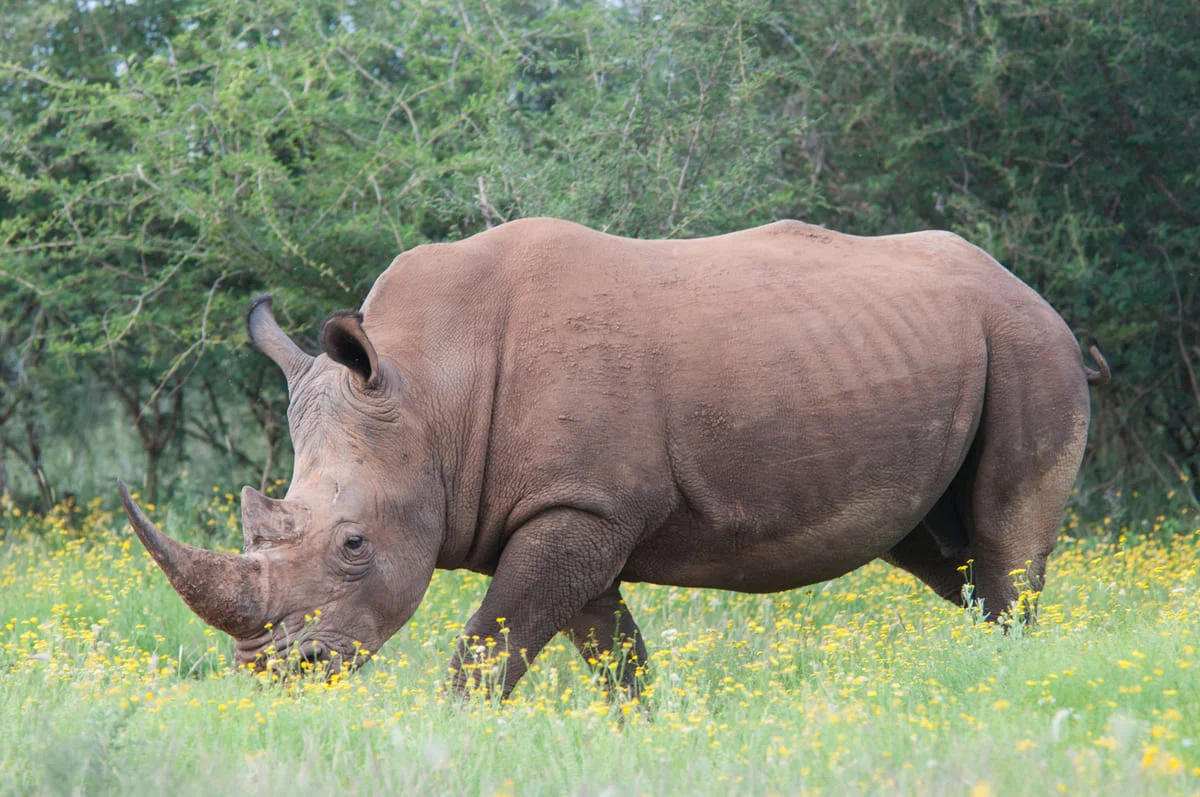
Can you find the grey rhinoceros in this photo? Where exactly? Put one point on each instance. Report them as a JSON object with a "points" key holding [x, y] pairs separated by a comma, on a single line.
{"points": [[566, 410]]}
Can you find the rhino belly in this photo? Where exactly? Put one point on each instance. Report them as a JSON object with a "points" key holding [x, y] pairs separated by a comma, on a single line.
{"points": [[757, 559], [804, 488]]}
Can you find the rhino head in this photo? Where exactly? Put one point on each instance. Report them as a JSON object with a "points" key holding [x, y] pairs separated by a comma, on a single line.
{"points": [[338, 565]]}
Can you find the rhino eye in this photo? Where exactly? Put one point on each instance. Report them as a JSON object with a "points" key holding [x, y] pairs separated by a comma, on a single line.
{"points": [[354, 542]]}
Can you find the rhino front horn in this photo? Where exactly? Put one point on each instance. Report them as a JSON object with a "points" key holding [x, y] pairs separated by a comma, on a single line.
{"points": [[225, 590]]}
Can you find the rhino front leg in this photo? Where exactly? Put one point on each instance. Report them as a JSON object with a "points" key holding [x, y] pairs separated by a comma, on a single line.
{"points": [[610, 641], [552, 567]]}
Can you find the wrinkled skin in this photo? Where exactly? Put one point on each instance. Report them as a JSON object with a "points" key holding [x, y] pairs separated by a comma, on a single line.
{"points": [[565, 410]]}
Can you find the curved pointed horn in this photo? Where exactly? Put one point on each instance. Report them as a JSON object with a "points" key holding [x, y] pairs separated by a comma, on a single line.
{"points": [[272, 341], [225, 590]]}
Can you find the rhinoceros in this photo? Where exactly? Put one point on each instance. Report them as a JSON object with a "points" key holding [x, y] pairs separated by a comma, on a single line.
{"points": [[565, 410]]}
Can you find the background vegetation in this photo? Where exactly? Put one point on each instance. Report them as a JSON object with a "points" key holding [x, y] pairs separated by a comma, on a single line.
{"points": [[162, 161]]}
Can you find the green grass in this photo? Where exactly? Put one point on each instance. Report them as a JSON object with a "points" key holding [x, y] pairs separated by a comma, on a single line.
{"points": [[867, 684]]}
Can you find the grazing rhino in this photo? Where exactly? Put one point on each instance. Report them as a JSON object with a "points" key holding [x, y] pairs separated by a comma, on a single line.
{"points": [[565, 410]]}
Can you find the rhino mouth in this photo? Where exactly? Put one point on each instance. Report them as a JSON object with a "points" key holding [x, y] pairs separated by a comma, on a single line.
{"points": [[301, 657]]}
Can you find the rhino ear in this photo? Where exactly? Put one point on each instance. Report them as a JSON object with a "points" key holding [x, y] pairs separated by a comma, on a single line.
{"points": [[344, 340]]}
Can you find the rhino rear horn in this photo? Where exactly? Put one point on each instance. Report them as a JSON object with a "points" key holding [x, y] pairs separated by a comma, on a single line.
{"points": [[269, 520], [272, 341], [226, 590]]}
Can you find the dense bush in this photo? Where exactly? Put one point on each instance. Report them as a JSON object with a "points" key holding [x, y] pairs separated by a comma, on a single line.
{"points": [[161, 162]]}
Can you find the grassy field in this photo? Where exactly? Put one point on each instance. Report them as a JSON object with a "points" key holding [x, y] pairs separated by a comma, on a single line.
{"points": [[867, 684]]}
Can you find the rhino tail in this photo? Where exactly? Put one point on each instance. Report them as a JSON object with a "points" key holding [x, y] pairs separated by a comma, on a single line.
{"points": [[1098, 377]]}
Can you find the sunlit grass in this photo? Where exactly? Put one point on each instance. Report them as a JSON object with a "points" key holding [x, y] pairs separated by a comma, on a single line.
{"points": [[865, 684]]}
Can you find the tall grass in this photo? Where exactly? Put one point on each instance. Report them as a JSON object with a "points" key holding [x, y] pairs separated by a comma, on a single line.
{"points": [[866, 684]]}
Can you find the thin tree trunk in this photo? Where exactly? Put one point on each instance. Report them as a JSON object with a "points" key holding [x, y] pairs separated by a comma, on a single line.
{"points": [[35, 466], [265, 481], [150, 486]]}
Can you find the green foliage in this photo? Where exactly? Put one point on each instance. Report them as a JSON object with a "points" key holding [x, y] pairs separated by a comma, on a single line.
{"points": [[655, 121], [161, 162]]}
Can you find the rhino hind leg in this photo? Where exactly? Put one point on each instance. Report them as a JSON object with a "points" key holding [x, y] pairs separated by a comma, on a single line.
{"points": [[945, 525], [996, 559], [1014, 530], [1013, 487], [998, 522], [936, 549]]}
